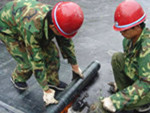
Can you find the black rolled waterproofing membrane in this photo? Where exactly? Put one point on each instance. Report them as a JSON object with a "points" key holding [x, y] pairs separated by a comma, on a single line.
{"points": [[74, 88]]}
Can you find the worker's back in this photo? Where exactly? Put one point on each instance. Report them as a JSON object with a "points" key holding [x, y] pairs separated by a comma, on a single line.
{"points": [[18, 16]]}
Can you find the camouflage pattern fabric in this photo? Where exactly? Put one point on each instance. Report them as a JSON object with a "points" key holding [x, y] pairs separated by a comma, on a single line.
{"points": [[132, 73], [24, 31]]}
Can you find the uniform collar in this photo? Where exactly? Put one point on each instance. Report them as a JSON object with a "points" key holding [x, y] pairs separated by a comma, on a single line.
{"points": [[143, 32]]}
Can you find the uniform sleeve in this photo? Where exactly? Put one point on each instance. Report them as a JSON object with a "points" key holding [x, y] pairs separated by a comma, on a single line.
{"points": [[141, 87], [67, 49], [36, 58]]}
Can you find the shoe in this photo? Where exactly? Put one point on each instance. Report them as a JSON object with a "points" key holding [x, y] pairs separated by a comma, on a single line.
{"points": [[143, 108], [60, 87], [19, 85]]}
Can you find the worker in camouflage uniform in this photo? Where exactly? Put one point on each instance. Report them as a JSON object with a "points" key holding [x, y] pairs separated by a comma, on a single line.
{"points": [[132, 68], [27, 28]]}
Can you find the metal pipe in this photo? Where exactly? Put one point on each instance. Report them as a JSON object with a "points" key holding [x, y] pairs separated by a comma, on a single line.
{"points": [[74, 88]]}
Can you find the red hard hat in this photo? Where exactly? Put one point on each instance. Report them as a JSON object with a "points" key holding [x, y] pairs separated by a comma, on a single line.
{"points": [[67, 18], [128, 14]]}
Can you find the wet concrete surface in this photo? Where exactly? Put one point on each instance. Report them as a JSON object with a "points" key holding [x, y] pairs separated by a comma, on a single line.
{"points": [[96, 40]]}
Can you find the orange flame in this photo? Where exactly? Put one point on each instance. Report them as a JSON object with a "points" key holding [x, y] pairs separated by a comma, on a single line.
{"points": [[65, 110]]}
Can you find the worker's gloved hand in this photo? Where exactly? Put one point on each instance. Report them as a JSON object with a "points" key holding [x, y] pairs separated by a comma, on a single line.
{"points": [[113, 87], [108, 105], [79, 73], [48, 97], [76, 71]]}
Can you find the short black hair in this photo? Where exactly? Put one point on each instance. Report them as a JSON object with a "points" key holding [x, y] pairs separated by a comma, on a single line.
{"points": [[142, 25], [49, 17]]}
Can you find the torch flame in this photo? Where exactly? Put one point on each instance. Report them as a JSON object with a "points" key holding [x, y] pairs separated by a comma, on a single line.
{"points": [[65, 110]]}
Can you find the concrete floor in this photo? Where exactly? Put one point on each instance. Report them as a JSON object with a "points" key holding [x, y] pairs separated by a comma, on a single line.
{"points": [[96, 40]]}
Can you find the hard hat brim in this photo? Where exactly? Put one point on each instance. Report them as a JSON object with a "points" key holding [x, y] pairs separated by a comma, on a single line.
{"points": [[125, 28]]}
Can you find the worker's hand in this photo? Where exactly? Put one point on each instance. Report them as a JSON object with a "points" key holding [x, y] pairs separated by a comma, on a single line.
{"points": [[113, 87], [48, 97], [77, 71], [108, 105]]}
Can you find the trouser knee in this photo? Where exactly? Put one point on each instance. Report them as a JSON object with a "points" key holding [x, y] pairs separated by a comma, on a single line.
{"points": [[117, 60]]}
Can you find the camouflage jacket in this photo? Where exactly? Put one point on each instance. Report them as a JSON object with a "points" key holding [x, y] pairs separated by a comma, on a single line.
{"points": [[26, 19], [137, 68]]}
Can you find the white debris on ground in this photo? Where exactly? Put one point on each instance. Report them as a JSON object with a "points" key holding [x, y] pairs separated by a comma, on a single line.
{"points": [[70, 110]]}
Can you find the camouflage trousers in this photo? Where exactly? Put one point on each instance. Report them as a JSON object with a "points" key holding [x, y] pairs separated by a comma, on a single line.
{"points": [[23, 71], [123, 81]]}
